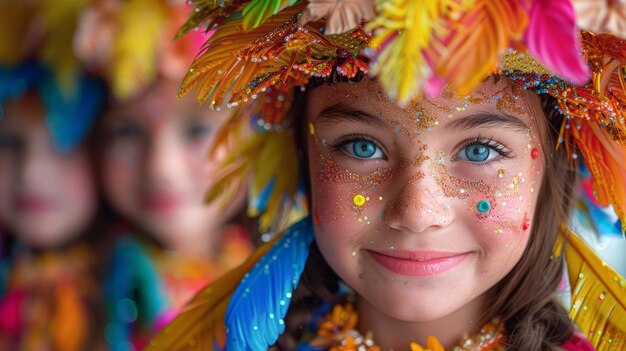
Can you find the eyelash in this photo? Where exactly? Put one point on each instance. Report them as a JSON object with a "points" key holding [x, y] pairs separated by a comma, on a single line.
{"points": [[490, 143], [347, 139]]}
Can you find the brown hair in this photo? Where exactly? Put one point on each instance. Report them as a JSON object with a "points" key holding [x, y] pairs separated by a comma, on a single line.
{"points": [[524, 299]]}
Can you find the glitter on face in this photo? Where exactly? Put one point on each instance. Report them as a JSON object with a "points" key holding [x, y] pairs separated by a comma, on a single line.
{"points": [[311, 128], [500, 173], [440, 157]]}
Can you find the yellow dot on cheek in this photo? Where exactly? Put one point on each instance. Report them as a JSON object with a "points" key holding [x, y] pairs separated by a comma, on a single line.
{"points": [[311, 128], [358, 200]]}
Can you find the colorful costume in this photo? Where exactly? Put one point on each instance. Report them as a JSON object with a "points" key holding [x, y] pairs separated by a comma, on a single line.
{"points": [[260, 51]]}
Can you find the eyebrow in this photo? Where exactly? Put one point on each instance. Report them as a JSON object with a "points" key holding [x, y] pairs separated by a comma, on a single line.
{"points": [[487, 120], [344, 112]]}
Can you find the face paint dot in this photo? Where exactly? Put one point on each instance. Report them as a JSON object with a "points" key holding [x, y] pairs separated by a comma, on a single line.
{"points": [[353, 253], [526, 223], [500, 173], [532, 190], [462, 191], [392, 247], [380, 198], [499, 231], [534, 153], [484, 206], [358, 200], [311, 128]]}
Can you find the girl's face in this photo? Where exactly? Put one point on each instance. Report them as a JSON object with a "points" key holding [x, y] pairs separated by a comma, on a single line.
{"points": [[155, 166], [422, 210], [47, 197]]}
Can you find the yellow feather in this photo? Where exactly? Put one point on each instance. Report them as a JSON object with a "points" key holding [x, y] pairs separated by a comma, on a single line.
{"points": [[201, 323], [59, 18], [598, 296], [135, 50], [406, 28]]}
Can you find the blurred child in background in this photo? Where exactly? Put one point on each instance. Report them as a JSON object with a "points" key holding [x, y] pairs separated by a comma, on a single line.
{"points": [[49, 296], [154, 167]]}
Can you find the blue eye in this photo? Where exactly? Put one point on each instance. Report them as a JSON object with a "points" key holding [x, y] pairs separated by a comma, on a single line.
{"points": [[477, 152], [362, 148], [481, 151]]}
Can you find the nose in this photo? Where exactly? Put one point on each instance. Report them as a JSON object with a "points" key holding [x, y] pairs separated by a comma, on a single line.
{"points": [[37, 160], [164, 160], [419, 205]]}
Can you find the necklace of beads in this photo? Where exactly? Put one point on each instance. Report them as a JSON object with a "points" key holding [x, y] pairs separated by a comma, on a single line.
{"points": [[337, 332]]}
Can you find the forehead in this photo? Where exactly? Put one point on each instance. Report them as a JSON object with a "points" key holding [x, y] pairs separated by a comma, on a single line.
{"points": [[494, 95]]}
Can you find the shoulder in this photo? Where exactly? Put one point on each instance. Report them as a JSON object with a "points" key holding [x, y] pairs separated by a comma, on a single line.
{"points": [[577, 343]]}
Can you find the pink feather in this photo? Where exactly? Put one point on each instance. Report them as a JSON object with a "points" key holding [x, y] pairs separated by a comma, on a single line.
{"points": [[552, 37]]}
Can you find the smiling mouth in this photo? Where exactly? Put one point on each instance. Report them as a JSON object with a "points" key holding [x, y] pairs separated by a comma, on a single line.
{"points": [[418, 263]]}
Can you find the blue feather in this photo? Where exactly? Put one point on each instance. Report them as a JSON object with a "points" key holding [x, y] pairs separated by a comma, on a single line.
{"points": [[254, 317], [69, 114]]}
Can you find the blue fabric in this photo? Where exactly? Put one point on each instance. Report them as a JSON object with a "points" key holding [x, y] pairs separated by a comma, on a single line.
{"points": [[133, 289]]}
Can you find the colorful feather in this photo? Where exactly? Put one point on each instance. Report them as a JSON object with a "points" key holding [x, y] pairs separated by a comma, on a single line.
{"points": [[257, 11], [200, 326], [598, 295], [70, 116], [254, 318], [140, 26], [472, 51], [209, 13], [403, 31], [341, 16], [560, 51], [59, 20]]}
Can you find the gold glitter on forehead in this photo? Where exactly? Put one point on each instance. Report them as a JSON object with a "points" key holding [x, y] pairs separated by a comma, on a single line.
{"points": [[332, 172]]}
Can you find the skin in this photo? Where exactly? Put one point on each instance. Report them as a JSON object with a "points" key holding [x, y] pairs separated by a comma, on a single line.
{"points": [[47, 197], [422, 193], [155, 168]]}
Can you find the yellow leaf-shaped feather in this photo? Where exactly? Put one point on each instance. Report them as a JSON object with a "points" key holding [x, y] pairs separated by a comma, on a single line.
{"points": [[598, 296], [403, 31], [59, 18], [135, 50]]}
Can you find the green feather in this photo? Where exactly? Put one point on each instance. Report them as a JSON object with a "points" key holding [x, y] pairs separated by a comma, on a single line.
{"points": [[257, 11]]}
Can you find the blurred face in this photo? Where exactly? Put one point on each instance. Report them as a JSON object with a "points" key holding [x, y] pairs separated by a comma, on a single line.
{"points": [[423, 209], [155, 165], [46, 197]]}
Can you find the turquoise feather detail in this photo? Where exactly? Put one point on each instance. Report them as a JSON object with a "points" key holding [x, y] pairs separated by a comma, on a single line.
{"points": [[254, 318]]}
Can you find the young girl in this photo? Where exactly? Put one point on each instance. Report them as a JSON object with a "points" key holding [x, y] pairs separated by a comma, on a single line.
{"points": [[48, 201], [152, 155], [440, 191]]}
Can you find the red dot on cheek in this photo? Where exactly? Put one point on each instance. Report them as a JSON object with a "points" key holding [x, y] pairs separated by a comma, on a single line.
{"points": [[526, 223], [534, 153]]}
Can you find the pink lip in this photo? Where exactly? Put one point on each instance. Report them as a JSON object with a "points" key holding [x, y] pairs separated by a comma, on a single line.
{"points": [[28, 203], [161, 203], [418, 263]]}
